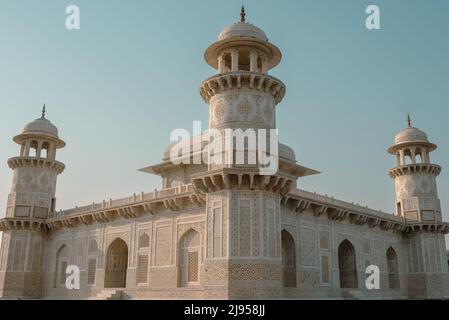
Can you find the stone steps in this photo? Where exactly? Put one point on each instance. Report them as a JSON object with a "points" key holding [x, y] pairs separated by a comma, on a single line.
{"points": [[352, 294], [111, 294]]}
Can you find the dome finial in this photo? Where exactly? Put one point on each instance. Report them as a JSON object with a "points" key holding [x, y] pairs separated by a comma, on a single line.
{"points": [[409, 120], [43, 112], [242, 15]]}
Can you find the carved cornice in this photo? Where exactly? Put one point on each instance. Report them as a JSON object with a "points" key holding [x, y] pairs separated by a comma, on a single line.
{"points": [[299, 201], [413, 228], [241, 179], [240, 80], [23, 224], [53, 165], [415, 168]]}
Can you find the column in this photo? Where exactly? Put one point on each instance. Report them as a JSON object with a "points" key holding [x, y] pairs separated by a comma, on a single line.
{"points": [[253, 61], [51, 152], [401, 156], [234, 60], [39, 148], [264, 64], [425, 155], [27, 149], [413, 154], [221, 63]]}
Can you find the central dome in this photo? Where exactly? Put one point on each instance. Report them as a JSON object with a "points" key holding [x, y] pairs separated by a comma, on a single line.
{"points": [[242, 30]]}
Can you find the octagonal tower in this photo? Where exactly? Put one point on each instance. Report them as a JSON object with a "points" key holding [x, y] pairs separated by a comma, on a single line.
{"points": [[242, 94], [30, 202], [418, 204], [415, 176], [243, 209]]}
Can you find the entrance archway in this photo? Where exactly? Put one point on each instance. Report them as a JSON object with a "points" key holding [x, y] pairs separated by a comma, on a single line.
{"points": [[347, 265], [116, 264]]}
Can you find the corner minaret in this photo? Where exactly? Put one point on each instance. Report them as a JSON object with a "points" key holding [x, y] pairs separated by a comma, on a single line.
{"points": [[415, 177], [30, 202], [418, 204]]}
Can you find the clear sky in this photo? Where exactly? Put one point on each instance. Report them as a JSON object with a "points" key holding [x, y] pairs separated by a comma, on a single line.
{"points": [[117, 87]]}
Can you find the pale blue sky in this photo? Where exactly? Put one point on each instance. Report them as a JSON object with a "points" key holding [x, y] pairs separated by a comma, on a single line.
{"points": [[120, 85]]}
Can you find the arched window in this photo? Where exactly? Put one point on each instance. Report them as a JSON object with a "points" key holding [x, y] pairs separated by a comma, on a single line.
{"points": [[288, 260], [44, 150], [227, 62], [347, 265], [116, 264], [407, 157], [392, 268], [189, 259], [62, 261], [244, 59], [33, 149]]}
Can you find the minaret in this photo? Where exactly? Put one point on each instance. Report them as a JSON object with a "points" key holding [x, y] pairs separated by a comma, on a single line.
{"points": [[243, 212], [418, 204], [30, 202], [415, 176], [242, 94]]}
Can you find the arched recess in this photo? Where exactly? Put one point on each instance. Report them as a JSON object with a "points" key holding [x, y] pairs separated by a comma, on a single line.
{"points": [[392, 269], [347, 265], [189, 256], [62, 261], [116, 264], [92, 262], [143, 258], [288, 260]]}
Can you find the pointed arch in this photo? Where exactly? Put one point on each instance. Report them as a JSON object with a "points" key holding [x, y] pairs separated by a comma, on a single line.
{"points": [[392, 269], [288, 259], [116, 264], [62, 261], [347, 265], [189, 256]]}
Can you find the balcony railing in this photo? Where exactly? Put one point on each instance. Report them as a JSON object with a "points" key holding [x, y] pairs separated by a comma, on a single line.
{"points": [[126, 201]]}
